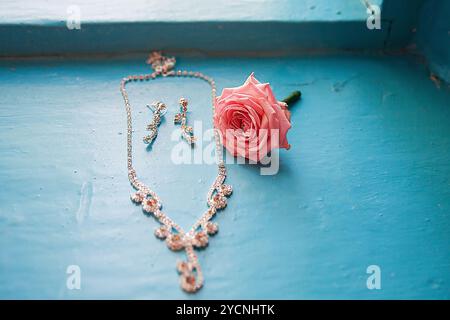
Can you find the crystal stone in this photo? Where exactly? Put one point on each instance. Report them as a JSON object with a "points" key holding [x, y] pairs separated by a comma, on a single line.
{"points": [[211, 228], [150, 205], [138, 197], [200, 239], [183, 267], [162, 232], [188, 282], [175, 242], [219, 201], [226, 189], [177, 118]]}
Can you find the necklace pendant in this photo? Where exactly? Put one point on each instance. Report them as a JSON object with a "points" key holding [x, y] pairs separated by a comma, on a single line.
{"points": [[191, 278], [198, 237]]}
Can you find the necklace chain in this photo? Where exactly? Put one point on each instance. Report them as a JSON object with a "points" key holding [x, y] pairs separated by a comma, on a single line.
{"points": [[176, 238]]}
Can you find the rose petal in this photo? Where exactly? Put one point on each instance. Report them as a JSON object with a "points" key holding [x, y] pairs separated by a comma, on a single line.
{"points": [[251, 121]]}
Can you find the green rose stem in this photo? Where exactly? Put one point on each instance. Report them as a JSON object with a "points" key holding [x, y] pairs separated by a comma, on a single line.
{"points": [[292, 98]]}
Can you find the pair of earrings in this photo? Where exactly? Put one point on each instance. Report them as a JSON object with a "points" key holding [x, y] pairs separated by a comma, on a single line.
{"points": [[159, 110]]}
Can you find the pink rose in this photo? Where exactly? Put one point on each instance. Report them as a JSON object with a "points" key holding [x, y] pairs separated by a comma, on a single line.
{"points": [[251, 121]]}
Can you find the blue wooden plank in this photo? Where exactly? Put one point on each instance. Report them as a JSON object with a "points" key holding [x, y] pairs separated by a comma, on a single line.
{"points": [[216, 27], [40, 11], [265, 26], [227, 38], [366, 182], [432, 37], [401, 21]]}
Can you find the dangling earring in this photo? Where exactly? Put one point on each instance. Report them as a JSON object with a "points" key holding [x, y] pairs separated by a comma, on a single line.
{"points": [[159, 109], [187, 132]]}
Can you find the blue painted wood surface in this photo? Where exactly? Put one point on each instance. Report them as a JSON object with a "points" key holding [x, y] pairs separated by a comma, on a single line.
{"points": [[40, 11], [367, 181], [433, 37], [265, 26]]}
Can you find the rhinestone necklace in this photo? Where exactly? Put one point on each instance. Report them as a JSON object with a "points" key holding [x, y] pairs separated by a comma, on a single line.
{"points": [[191, 277]]}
